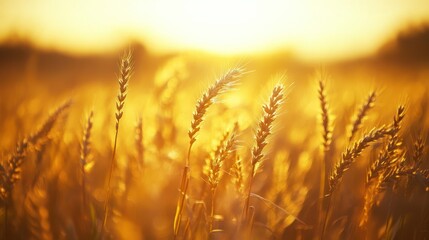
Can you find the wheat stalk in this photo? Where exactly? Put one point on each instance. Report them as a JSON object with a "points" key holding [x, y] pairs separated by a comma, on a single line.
{"points": [[327, 138], [351, 153], [402, 168], [384, 165], [361, 114], [219, 156], [265, 126], [237, 172], [47, 126], [222, 84], [126, 67], [212, 163], [390, 154], [419, 148], [84, 154], [326, 123], [11, 172], [138, 142]]}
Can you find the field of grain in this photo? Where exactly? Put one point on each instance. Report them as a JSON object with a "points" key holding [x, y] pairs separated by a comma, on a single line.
{"points": [[192, 147]]}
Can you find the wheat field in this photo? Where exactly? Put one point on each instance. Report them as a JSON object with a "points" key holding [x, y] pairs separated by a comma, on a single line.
{"points": [[191, 148]]}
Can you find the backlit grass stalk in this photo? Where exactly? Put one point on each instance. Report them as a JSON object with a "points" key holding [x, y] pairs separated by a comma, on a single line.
{"points": [[349, 156], [237, 172], [214, 174], [386, 160], [84, 154], [347, 159], [361, 114], [388, 156], [223, 84], [265, 125], [124, 77], [327, 138], [11, 172], [138, 142]]}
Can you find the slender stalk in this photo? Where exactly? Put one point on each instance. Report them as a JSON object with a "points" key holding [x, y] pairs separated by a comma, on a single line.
{"points": [[361, 114], [125, 75], [224, 83], [85, 151], [321, 202], [212, 211], [181, 201], [112, 160], [327, 138], [83, 191], [265, 125], [326, 218], [247, 201]]}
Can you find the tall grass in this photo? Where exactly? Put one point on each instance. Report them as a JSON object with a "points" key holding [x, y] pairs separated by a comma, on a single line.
{"points": [[164, 178]]}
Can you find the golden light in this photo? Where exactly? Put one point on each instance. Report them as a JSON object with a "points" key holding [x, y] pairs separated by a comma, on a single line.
{"points": [[310, 29]]}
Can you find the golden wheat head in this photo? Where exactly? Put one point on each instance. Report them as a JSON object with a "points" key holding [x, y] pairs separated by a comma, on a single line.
{"points": [[86, 141], [351, 153], [265, 125], [218, 159], [124, 77], [224, 83], [361, 114], [326, 124]]}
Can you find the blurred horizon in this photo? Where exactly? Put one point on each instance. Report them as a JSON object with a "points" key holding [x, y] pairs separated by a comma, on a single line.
{"points": [[308, 30]]}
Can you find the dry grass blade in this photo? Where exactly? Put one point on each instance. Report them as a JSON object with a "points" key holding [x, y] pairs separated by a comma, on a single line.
{"points": [[361, 114]]}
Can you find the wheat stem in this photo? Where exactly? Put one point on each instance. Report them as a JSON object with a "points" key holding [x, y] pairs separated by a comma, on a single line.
{"points": [[265, 126], [327, 138], [221, 85], [85, 151], [125, 75]]}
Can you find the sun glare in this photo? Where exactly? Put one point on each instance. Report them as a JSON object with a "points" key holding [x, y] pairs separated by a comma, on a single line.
{"points": [[309, 29]]}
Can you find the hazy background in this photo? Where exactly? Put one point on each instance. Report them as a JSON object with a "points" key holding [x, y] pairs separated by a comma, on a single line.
{"points": [[65, 43], [312, 30]]}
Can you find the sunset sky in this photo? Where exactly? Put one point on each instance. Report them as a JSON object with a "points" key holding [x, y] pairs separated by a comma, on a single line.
{"points": [[331, 29]]}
